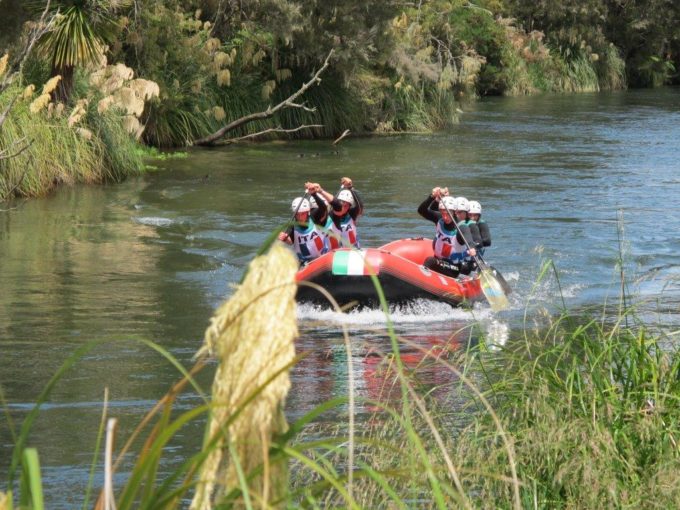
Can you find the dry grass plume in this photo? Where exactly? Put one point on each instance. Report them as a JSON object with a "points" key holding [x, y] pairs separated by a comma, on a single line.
{"points": [[252, 336]]}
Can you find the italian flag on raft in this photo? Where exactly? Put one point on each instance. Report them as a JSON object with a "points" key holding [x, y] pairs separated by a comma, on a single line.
{"points": [[350, 263]]}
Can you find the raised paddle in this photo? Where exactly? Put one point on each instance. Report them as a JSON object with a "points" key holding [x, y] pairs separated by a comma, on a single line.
{"points": [[491, 286]]}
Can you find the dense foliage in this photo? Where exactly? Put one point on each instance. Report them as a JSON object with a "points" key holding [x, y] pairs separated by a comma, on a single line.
{"points": [[396, 65]]}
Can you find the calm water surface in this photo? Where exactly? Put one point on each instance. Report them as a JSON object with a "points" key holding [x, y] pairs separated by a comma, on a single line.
{"points": [[153, 257]]}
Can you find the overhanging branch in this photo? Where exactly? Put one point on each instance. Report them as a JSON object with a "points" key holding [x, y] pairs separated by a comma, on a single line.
{"points": [[272, 130], [270, 111]]}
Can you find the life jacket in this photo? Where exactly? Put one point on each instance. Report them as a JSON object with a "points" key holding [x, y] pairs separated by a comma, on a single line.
{"points": [[446, 245], [309, 241], [345, 235], [326, 229]]}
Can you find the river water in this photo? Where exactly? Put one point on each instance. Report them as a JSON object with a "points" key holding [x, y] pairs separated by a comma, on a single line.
{"points": [[152, 258]]}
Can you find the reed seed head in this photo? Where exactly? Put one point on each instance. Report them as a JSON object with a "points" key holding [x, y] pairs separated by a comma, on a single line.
{"points": [[251, 335]]}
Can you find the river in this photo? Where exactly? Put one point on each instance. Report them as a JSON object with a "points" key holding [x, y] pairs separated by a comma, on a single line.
{"points": [[152, 257]]}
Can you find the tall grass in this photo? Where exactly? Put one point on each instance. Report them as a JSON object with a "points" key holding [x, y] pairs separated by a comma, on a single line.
{"points": [[118, 152], [59, 154], [611, 69], [594, 412]]}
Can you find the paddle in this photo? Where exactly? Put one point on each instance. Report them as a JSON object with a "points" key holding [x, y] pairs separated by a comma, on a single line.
{"points": [[492, 288]]}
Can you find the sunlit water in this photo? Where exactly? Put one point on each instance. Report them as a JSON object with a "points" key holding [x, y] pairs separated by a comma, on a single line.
{"points": [[153, 257]]}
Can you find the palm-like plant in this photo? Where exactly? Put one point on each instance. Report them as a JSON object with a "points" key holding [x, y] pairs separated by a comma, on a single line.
{"points": [[77, 36]]}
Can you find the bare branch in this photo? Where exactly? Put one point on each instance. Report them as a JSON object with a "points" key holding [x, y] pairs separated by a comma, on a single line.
{"points": [[272, 130], [302, 105], [4, 154], [269, 112], [343, 135]]}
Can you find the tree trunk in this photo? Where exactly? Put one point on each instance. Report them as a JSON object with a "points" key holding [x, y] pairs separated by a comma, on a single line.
{"points": [[65, 87]]}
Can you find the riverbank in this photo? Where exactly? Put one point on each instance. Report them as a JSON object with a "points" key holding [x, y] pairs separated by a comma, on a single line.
{"points": [[394, 68]]}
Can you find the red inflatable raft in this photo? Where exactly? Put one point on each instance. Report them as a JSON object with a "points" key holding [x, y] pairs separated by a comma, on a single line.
{"points": [[345, 274]]}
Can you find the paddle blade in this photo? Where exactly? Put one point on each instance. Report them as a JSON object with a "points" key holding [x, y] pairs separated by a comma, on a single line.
{"points": [[493, 291]]}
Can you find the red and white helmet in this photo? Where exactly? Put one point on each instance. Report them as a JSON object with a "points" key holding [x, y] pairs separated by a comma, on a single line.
{"points": [[475, 207], [300, 204], [346, 196]]}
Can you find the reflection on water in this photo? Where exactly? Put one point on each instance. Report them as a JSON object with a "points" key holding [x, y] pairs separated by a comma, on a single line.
{"points": [[153, 257], [323, 370]]}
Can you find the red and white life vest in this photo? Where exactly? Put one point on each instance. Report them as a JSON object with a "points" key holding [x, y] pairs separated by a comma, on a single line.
{"points": [[446, 245], [309, 241], [344, 236]]}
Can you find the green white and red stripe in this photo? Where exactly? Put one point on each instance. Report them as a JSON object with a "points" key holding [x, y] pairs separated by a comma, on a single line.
{"points": [[349, 263]]}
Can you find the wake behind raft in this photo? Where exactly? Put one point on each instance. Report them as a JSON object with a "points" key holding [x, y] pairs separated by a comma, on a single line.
{"points": [[346, 275]]}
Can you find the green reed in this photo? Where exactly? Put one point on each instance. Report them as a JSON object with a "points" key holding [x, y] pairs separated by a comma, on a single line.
{"points": [[593, 410]]}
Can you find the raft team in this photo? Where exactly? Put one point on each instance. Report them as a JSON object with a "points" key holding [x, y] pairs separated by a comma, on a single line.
{"points": [[460, 233]]}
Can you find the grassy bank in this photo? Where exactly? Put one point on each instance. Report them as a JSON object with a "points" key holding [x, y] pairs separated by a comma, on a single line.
{"points": [[97, 151], [593, 414], [579, 412]]}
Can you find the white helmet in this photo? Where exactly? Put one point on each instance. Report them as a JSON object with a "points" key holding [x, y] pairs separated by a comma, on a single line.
{"points": [[300, 205], [314, 205], [447, 203], [475, 207], [462, 204], [346, 196]]}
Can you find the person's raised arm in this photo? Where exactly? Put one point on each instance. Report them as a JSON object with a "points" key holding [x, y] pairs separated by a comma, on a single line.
{"points": [[319, 214], [358, 208], [424, 208], [315, 189], [443, 192], [325, 194]]}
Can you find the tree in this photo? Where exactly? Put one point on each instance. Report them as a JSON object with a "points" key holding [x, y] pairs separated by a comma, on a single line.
{"points": [[648, 35], [77, 36]]}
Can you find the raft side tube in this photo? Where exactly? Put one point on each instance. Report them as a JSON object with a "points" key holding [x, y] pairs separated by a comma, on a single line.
{"points": [[345, 274]]}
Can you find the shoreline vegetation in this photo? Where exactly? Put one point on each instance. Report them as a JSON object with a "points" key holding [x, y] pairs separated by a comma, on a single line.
{"points": [[170, 73], [574, 411]]}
